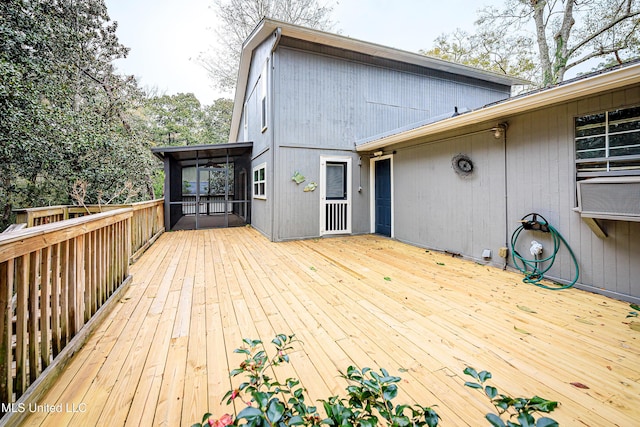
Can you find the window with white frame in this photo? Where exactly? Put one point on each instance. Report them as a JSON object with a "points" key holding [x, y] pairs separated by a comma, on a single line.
{"points": [[608, 143], [260, 181]]}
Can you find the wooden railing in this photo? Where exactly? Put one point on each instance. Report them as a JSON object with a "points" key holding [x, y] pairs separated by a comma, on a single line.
{"points": [[147, 223], [53, 280]]}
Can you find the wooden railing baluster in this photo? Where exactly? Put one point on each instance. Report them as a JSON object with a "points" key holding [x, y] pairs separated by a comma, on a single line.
{"points": [[45, 307], [55, 277], [6, 330]]}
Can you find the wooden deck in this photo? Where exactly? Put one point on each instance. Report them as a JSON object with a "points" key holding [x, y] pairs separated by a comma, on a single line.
{"points": [[163, 355]]}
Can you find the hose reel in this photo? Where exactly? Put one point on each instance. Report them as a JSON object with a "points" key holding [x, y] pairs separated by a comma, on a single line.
{"points": [[534, 268]]}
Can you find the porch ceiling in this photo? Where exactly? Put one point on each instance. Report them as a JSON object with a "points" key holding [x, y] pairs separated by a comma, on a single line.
{"points": [[163, 355]]}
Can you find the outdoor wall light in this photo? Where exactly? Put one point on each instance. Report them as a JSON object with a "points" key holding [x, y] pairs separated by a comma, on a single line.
{"points": [[377, 153], [499, 131]]}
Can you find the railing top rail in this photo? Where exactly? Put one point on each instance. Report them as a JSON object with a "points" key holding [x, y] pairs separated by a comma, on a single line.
{"points": [[146, 204], [40, 208], [137, 205], [22, 242]]}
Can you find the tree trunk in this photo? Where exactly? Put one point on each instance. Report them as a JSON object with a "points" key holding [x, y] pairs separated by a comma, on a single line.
{"points": [[562, 42], [538, 7]]}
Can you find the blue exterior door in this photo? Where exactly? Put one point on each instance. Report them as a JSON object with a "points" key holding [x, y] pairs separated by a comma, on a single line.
{"points": [[383, 197]]}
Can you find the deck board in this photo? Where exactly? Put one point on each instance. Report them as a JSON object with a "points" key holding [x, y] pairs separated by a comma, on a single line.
{"points": [[163, 355]]}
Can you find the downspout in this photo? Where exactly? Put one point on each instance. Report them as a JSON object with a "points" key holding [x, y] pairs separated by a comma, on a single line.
{"points": [[506, 199], [275, 234]]}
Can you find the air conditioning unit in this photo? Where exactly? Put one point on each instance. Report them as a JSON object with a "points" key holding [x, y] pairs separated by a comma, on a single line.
{"points": [[616, 198]]}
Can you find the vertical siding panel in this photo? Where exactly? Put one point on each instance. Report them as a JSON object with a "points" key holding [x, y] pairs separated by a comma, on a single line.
{"points": [[565, 182], [623, 262], [634, 256], [577, 228]]}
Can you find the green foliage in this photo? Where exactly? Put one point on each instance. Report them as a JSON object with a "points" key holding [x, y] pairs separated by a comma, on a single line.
{"points": [[268, 402], [369, 397], [488, 49], [66, 113], [181, 120], [520, 408]]}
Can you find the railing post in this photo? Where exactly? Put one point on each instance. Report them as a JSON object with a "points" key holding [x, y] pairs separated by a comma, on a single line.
{"points": [[127, 246]]}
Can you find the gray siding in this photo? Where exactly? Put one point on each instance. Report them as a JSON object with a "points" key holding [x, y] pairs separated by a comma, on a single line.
{"points": [[323, 104], [261, 210], [298, 212], [332, 102], [436, 208]]}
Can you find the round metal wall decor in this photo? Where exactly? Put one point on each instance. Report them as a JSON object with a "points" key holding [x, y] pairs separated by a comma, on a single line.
{"points": [[462, 165]]}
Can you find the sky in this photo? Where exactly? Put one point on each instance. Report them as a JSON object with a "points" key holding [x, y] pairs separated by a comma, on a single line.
{"points": [[166, 37]]}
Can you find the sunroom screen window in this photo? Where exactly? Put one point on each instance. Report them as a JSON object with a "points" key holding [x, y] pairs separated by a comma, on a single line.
{"points": [[336, 181], [608, 144]]}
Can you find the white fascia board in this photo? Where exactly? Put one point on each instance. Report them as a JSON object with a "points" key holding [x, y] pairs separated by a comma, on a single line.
{"points": [[563, 93]]}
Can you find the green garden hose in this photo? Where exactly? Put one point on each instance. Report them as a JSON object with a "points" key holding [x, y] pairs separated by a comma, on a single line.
{"points": [[532, 268]]}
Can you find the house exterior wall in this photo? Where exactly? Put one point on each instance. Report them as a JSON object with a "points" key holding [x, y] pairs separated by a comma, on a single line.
{"points": [[261, 209], [437, 208], [324, 101], [332, 101]]}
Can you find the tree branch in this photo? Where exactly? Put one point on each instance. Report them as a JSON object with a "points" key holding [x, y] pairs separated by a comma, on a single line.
{"points": [[109, 91], [601, 30]]}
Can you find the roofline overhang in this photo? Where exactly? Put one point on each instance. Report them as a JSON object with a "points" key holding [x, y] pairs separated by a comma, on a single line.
{"points": [[273, 28], [579, 88], [160, 152]]}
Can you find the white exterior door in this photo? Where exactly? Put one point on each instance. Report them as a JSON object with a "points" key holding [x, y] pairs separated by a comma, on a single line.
{"points": [[335, 195]]}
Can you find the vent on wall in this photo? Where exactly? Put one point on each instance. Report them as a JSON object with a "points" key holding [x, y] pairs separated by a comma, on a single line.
{"points": [[616, 198]]}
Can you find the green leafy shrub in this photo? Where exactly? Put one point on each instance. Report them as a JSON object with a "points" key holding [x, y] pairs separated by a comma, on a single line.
{"points": [[268, 402], [520, 408]]}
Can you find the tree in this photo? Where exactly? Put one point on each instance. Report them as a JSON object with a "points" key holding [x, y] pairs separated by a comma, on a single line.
{"points": [[66, 113], [240, 17], [174, 119], [566, 33], [217, 121], [491, 50], [181, 120]]}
